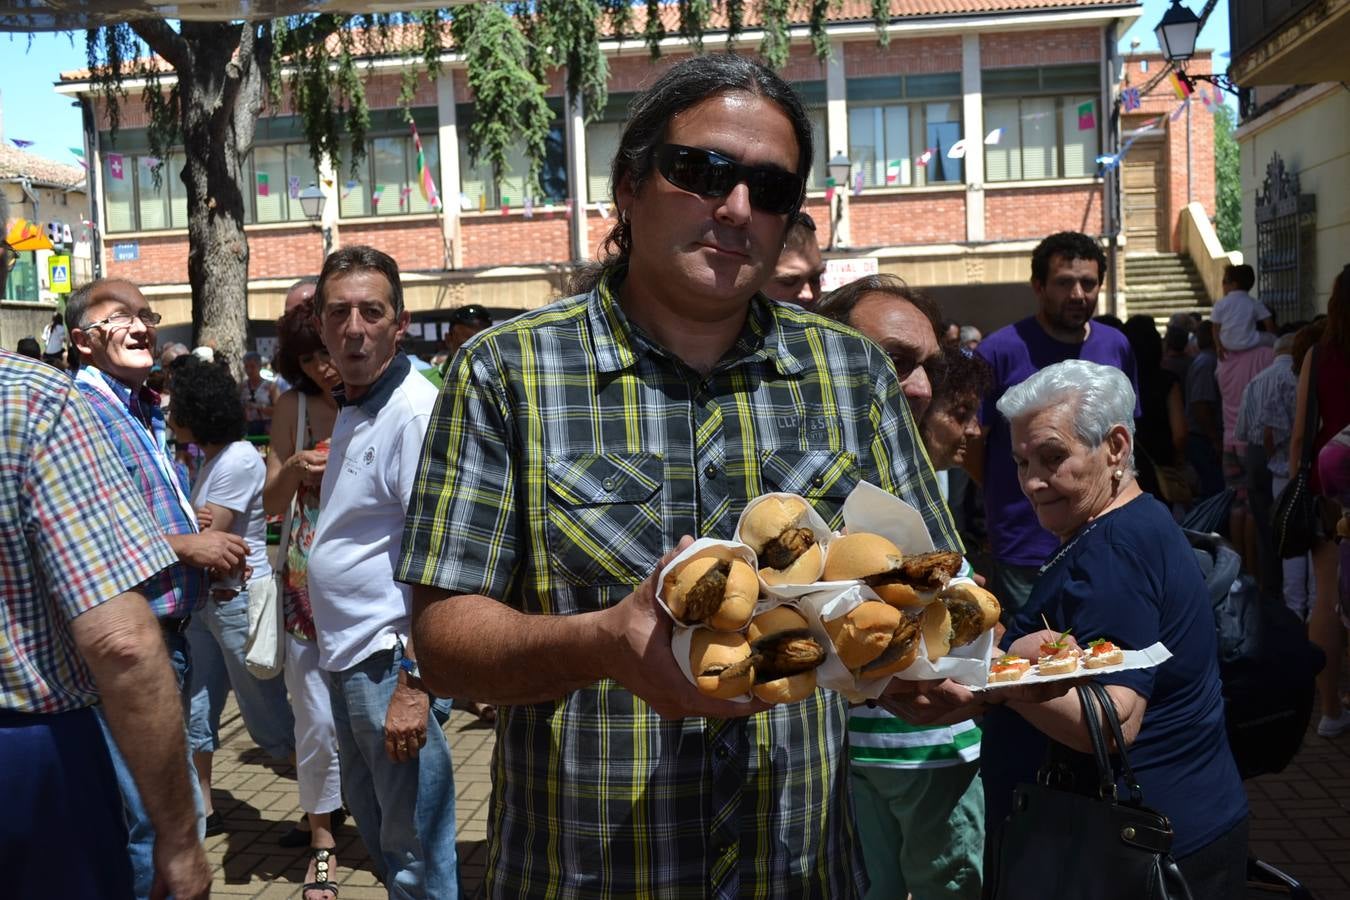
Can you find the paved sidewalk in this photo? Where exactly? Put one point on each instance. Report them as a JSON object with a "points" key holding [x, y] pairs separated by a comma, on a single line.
{"points": [[1300, 818]]}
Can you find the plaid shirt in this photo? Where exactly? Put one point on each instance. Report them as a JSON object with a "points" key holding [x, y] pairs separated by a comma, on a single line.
{"points": [[565, 455], [135, 424], [75, 534]]}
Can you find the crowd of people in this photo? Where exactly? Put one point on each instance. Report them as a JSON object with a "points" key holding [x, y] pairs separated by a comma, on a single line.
{"points": [[489, 526]]}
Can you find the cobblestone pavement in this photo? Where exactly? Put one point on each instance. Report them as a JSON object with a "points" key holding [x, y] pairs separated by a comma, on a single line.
{"points": [[1300, 818]]}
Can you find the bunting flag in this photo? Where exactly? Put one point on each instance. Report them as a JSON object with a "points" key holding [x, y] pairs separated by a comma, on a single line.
{"points": [[328, 182], [529, 207], [22, 145], [1181, 108], [293, 187], [829, 194], [957, 150], [424, 179], [115, 166], [376, 195], [1180, 85], [858, 180], [602, 208], [993, 137], [264, 189], [405, 196], [1109, 161], [150, 161], [482, 203], [924, 158], [347, 189], [506, 205], [78, 151], [1129, 99], [567, 209], [465, 202], [893, 171], [1087, 116]]}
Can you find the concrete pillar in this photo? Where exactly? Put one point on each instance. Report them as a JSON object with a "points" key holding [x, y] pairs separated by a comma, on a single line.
{"points": [[447, 134], [836, 127], [575, 131]]}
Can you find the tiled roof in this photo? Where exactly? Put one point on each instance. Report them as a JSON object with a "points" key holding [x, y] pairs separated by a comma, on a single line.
{"points": [[847, 11], [15, 163]]}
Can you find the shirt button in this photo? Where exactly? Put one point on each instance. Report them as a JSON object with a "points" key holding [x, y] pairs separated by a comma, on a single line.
{"points": [[608, 484], [710, 471], [721, 753], [818, 481]]}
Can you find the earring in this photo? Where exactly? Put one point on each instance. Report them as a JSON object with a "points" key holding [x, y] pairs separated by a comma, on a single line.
{"points": [[1118, 474]]}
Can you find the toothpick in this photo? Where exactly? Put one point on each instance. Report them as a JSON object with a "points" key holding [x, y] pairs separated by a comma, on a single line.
{"points": [[1047, 622]]}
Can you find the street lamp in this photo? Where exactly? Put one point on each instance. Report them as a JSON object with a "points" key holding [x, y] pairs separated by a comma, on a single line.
{"points": [[839, 167], [1177, 32], [312, 201]]}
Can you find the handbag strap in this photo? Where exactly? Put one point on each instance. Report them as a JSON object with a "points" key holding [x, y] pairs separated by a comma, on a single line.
{"points": [[1106, 777], [1118, 735], [285, 544], [1310, 413]]}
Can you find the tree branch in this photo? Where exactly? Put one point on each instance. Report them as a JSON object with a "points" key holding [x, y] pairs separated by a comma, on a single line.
{"points": [[315, 31], [162, 39]]}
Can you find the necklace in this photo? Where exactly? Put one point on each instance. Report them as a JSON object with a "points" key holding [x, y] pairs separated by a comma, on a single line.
{"points": [[1067, 547]]}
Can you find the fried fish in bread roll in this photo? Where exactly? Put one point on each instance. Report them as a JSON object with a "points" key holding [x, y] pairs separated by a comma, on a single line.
{"points": [[778, 530], [785, 655], [716, 588], [974, 611], [902, 651], [902, 581], [863, 633], [936, 623], [717, 661]]}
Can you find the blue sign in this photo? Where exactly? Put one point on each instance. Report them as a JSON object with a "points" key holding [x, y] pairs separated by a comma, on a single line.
{"points": [[128, 252]]}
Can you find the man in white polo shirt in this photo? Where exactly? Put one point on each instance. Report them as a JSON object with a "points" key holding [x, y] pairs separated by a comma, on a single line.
{"points": [[396, 772]]}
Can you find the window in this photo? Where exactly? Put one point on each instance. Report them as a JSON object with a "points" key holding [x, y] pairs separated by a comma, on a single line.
{"points": [[277, 174], [23, 278], [386, 182], [476, 183], [1049, 117], [901, 127], [132, 202]]}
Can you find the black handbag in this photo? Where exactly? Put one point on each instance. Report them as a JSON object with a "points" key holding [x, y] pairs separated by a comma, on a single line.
{"points": [[1059, 842], [1296, 520]]}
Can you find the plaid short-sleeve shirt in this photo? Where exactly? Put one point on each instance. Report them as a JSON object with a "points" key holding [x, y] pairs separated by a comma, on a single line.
{"points": [[566, 454], [75, 533]]}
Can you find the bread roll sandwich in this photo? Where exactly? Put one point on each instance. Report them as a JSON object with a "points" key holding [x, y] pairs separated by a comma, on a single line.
{"points": [[973, 609], [785, 655], [863, 633], [720, 664], [1102, 653], [936, 623], [900, 653], [716, 588], [778, 530], [902, 581]]}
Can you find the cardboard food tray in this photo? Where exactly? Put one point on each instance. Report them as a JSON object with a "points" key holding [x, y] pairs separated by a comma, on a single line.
{"points": [[1147, 658]]}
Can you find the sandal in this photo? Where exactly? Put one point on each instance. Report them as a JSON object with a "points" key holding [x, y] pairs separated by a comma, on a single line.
{"points": [[320, 856], [485, 712]]}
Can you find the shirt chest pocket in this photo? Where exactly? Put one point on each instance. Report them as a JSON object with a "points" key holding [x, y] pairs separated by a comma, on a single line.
{"points": [[823, 477], [604, 517]]}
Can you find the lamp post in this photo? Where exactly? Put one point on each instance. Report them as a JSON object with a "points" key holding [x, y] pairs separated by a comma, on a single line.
{"points": [[839, 168], [312, 201]]}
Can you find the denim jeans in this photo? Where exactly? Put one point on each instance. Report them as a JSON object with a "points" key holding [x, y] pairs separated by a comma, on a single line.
{"points": [[140, 833], [404, 811], [218, 633]]}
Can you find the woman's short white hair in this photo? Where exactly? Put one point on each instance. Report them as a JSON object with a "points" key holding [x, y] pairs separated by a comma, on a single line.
{"points": [[1101, 398]]}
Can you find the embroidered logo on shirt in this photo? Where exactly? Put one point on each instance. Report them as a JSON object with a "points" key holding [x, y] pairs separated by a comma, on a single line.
{"points": [[369, 456]]}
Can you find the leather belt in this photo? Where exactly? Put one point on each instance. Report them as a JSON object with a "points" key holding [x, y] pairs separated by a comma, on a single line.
{"points": [[175, 626]]}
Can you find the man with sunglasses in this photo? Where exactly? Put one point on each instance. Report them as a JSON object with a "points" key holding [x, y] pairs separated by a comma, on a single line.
{"points": [[1067, 269], [916, 789], [574, 447], [114, 328]]}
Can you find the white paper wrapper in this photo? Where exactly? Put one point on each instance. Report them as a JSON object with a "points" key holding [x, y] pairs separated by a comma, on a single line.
{"points": [[679, 648], [824, 606], [823, 534], [700, 547], [869, 508], [1147, 658]]}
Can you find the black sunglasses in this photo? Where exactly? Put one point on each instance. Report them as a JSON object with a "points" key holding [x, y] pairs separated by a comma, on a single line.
{"points": [[709, 174]]}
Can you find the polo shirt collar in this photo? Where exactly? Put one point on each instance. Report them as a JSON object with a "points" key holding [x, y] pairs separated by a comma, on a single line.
{"points": [[140, 402], [374, 399], [617, 341]]}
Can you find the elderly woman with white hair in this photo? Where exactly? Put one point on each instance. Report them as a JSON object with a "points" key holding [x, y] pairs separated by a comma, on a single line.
{"points": [[1124, 572]]}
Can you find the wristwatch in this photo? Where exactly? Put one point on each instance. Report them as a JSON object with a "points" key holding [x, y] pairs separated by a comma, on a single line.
{"points": [[409, 665]]}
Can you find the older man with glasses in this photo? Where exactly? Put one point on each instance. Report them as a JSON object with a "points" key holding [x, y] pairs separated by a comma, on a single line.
{"points": [[114, 328]]}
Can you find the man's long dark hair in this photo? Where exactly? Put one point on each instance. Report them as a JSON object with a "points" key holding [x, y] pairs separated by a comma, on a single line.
{"points": [[684, 85]]}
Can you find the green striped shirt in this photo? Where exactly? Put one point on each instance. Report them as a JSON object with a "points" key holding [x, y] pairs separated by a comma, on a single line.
{"points": [[566, 453]]}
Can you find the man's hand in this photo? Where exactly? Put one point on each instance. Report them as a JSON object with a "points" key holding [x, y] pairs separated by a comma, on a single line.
{"points": [[183, 874], [217, 551], [644, 665], [405, 724], [931, 702]]}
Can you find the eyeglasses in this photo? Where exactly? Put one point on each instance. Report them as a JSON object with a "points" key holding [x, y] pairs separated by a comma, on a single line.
{"points": [[709, 174], [123, 320]]}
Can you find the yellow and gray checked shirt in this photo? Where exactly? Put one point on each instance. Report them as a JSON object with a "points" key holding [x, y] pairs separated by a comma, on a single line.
{"points": [[565, 455]]}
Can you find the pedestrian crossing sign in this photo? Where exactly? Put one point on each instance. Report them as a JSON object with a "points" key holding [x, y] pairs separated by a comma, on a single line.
{"points": [[58, 273]]}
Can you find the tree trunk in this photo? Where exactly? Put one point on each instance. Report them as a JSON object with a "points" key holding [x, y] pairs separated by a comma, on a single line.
{"points": [[221, 96]]}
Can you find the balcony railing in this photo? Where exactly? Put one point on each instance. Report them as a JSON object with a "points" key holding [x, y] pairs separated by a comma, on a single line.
{"points": [[1253, 21]]}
